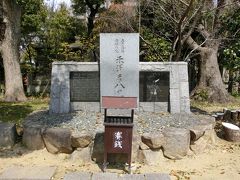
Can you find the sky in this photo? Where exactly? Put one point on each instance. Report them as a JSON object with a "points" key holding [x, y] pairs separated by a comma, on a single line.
{"points": [[215, 2], [49, 2]]}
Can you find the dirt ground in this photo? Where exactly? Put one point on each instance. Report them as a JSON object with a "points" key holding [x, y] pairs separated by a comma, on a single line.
{"points": [[221, 161]]}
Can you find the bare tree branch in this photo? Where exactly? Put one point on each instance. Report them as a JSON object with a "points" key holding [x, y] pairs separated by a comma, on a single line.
{"points": [[160, 6], [192, 44], [172, 49], [196, 48], [201, 29], [184, 16], [186, 4], [194, 22]]}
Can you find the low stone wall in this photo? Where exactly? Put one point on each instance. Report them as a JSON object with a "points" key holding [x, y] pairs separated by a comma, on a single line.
{"points": [[149, 148], [87, 146], [179, 101]]}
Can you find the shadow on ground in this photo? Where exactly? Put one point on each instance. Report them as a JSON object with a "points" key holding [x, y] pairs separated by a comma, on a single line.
{"points": [[196, 110]]}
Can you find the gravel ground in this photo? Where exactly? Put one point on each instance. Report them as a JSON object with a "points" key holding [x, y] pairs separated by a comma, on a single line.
{"points": [[93, 122]]}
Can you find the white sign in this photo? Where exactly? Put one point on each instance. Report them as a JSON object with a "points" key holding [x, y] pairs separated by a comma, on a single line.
{"points": [[119, 62]]}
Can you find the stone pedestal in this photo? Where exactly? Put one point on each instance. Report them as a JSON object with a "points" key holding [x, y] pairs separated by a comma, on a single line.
{"points": [[8, 135]]}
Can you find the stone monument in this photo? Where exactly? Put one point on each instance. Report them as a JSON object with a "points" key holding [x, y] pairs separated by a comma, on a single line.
{"points": [[163, 85], [119, 61]]}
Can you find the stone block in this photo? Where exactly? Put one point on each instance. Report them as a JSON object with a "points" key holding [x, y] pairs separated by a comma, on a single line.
{"points": [[8, 135], [57, 140], [174, 77], [85, 106], [174, 85], [184, 89], [183, 73], [199, 130], [28, 173], [199, 146], [150, 157], [185, 105], [132, 177], [104, 176], [136, 140], [157, 176], [65, 95], [153, 140], [98, 147], [205, 141], [177, 142], [154, 66], [146, 106], [174, 101], [175, 106], [78, 176], [174, 94], [160, 107], [153, 106], [60, 89], [55, 91], [32, 137], [81, 140], [81, 155]]}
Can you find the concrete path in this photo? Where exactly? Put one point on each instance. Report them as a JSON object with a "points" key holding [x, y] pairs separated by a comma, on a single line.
{"points": [[114, 176], [28, 173], [46, 173]]}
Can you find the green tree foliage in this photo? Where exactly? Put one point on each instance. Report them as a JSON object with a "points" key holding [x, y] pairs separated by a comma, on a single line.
{"points": [[58, 29], [230, 52], [47, 39], [231, 48], [82, 49], [89, 8], [62, 31], [155, 47], [86, 46], [33, 18], [231, 59], [155, 33], [194, 30]]}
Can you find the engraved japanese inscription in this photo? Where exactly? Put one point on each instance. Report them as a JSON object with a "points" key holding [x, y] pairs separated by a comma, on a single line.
{"points": [[119, 62], [118, 143], [84, 86]]}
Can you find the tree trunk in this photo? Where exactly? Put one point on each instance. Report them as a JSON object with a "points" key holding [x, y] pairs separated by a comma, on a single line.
{"points": [[10, 52], [2, 24], [90, 24], [230, 81], [210, 81], [91, 18]]}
